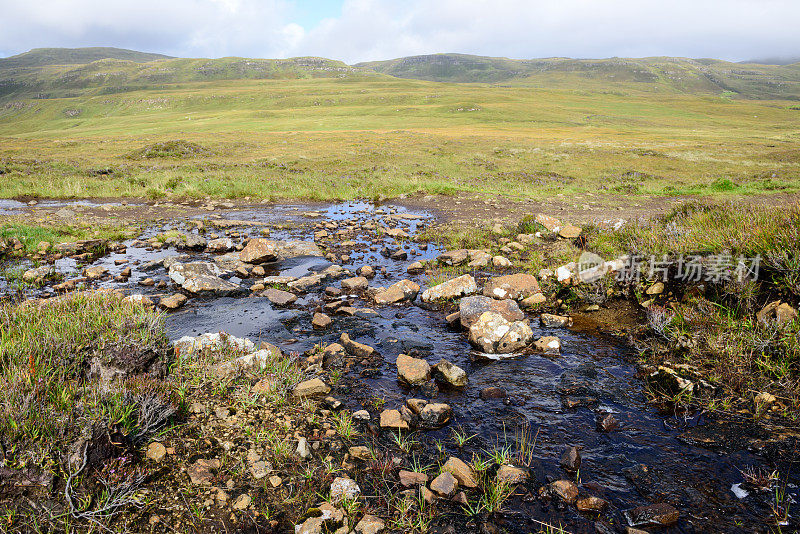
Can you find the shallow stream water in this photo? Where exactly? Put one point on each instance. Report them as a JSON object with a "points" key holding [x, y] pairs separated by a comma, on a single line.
{"points": [[643, 461]]}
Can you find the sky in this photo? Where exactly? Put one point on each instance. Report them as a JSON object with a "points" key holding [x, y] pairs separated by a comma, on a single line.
{"points": [[365, 30]]}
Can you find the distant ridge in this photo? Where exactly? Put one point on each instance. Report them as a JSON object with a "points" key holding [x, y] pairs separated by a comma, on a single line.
{"points": [[66, 72], [39, 57], [674, 74], [774, 60]]}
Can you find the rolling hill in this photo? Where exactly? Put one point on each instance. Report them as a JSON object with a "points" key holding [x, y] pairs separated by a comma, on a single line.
{"points": [[39, 57], [72, 72], [47, 73], [681, 75]]}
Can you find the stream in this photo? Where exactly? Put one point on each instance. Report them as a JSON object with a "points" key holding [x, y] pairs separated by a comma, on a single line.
{"points": [[558, 397]]}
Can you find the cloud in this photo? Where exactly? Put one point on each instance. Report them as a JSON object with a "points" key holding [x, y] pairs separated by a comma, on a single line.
{"points": [[381, 29], [733, 29]]}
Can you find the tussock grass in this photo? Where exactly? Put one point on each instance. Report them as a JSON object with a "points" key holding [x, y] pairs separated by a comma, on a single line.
{"points": [[47, 398], [31, 235]]}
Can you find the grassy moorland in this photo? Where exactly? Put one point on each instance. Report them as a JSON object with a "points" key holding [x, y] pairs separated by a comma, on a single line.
{"points": [[322, 130]]}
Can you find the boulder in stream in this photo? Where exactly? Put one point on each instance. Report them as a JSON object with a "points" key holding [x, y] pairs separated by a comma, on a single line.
{"points": [[493, 334]]}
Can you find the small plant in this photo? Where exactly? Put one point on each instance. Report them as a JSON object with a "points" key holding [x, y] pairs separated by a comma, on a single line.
{"points": [[405, 444], [343, 423], [525, 441], [460, 436]]}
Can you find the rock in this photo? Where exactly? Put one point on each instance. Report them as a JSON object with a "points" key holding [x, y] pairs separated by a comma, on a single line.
{"points": [[565, 273], [764, 400], [259, 250], [415, 267], [569, 231], [450, 374], [95, 272], [294, 249], [258, 468], [344, 488], [404, 290], [361, 415], [445, 485], [435, 415], [509, 474], [551, 223], [303, 450], [369, 524], [140, 299], [200, 471], [242, 502], [360, 452], [202, 278], [412, 478], [566, 490], [173, 302], [659, 514], [156, 451], [533, 300], [279, 297], [214, 342], [224, 244], [501, 261], [668, 381], [320, 320], [79, 247], [412, 371], [777, 312], [591, 504], [492, 392], [607, 422], [548, 344], [514, 286], [393, 420], [39, 273], [310, 388], [655, 289], [455, 257], [193, 242], [471, 308], [457, 287], [367, 271], [356, 283], [571, 459], [464, 474], [492, 334], [254, 361], [275, 481], [355, 348], [555, 321], [453, 319]]}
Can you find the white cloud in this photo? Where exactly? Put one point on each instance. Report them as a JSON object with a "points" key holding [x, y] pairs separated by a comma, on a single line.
{"points": [[381, 29]]}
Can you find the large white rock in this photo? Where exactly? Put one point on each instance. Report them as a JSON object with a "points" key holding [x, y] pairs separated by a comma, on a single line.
{"points": [[457, 287], [495, 335]]}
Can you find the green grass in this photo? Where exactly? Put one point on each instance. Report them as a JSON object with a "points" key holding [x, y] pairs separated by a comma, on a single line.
{"points": [[46, 399], [31, 235], [376, 136]]}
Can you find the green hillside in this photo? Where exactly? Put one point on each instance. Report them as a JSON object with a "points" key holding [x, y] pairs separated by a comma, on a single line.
{"points": [[39, 57], [318, 128], [110, 75], [657, 74]]}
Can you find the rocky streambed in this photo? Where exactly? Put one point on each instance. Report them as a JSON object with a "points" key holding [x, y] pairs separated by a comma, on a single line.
{"points": [[457, 362]]}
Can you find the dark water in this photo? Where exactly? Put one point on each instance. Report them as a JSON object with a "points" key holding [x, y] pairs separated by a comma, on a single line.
{"points": [[593, 369]]}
